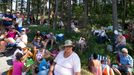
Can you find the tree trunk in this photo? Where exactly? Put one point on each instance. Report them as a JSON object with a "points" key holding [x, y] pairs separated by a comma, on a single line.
{"points": [[62, 8], [69, 16], [114, 17], [28, 10], [11, 5], [85, 12], [38, 10], [114, 14], [55, 14], [124, 4], [16, 5], [49, 13], [22, 2]]}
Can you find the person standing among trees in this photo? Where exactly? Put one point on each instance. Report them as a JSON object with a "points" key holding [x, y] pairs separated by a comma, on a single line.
{"points": [[19, 21], [67, 61]]}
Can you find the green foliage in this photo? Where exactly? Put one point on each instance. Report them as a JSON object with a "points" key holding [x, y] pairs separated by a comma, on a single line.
{"points": [[77, 10], [130, 11], [103, 20]]}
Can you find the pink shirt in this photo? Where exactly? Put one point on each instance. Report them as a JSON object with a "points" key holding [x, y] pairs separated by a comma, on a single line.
{"points": [[17, 67], [11, 34]]}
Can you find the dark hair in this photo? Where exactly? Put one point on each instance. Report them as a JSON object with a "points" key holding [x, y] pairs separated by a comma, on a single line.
{"points": [[36, 70], [18, 56], [95, 56]]}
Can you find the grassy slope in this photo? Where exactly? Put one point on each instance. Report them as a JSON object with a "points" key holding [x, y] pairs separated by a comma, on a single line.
{"points": [[93, 46]]}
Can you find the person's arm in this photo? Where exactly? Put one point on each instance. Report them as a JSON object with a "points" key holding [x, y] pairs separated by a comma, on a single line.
{"points": [[26, 69], [130, 63], [77, 66], [118, 59], [51, 69], [77, 73]]}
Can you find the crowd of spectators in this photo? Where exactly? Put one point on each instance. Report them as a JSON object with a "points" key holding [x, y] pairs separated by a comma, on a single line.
{"points": [[44, 59]]}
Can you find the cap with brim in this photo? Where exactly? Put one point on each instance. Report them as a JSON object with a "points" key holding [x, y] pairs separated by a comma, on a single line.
{"points": [[68, 43], [23, 29], [124, 50], [8, 10], [116, 32]]}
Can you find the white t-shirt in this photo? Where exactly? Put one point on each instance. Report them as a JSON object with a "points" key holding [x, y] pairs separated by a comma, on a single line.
{"points": [[67, 66], [19, 21], [24, 38]]}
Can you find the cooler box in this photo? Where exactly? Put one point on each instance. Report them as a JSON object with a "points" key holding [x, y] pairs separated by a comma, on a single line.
{"points": [[60, 37]]}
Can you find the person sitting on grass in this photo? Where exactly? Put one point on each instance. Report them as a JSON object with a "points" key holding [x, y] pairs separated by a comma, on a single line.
{"points": [[125, 62], [21, 48], [50, 39], [11, 35], [43, 67], [42, 53], [120, 42], [37, 44], [81, 44], [37, 35], [95, 65], [106, 67], [67, 62], [18, 65], [24, 37]]}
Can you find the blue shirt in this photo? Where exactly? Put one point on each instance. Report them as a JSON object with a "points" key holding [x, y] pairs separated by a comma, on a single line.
{"points": [[126, 60], [43, 65]]}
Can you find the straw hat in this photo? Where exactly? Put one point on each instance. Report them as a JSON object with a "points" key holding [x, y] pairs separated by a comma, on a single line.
{"points": [[68, 43]]}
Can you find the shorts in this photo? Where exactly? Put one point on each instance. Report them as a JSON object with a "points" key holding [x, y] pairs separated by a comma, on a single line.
{"points": [[125, 69]]}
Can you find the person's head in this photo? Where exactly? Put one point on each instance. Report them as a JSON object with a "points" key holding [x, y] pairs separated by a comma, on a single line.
{"points": [[102, 62], [108, 61], [38, 39], [12, 28], [95, 56], [41, 47], [51, 34], [124, 51], [116, 32], [23, 30], [68, 45], [18, 15], [19, 56], [8, 11], [37, 33]]}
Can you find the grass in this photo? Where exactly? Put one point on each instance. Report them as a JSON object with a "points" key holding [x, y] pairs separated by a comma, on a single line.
{"points": [[93, 46]]}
